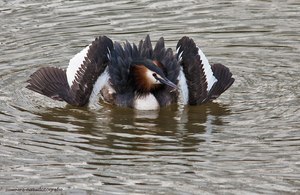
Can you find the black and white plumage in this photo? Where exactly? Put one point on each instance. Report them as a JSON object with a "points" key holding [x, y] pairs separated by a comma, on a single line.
{"points": [[75, 84], [140, 77], [199, 81]]}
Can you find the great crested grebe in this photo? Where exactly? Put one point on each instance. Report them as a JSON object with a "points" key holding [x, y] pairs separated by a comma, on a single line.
{"points": [[133, 76]]}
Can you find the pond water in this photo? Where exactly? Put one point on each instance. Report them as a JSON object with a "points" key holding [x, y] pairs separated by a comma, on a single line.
{"points": [[246, 142]]}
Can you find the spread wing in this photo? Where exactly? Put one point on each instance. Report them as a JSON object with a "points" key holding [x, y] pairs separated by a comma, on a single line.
{"points": [[75, 84], [198, 80], [51, 82], [225, 80], [94, 64]]}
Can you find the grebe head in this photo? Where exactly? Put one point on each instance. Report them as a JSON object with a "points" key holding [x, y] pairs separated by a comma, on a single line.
{"points": [[148, 75]]}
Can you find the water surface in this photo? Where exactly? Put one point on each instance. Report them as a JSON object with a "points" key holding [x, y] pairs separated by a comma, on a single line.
{"points": [[247, 142]]}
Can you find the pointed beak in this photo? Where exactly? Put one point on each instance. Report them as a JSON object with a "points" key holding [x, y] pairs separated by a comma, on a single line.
{"points": [[167, 82]]}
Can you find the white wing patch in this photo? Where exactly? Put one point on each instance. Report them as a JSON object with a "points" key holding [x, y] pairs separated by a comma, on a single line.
{"points": [[75, 63], [99, 84], [210, 78], [179, 57], [182, 84], [108, 54]]}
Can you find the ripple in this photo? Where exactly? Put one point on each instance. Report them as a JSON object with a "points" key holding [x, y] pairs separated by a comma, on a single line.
{"points": [[246, 142]]}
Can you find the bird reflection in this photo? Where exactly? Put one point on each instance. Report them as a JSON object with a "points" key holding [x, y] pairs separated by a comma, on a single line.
{"points": [[113, 130], [174, 127]]}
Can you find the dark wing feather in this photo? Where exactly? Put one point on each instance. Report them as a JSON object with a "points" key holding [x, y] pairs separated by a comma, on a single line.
{"points": [[193, 70], [119, 71], [128, 50], [135, 52], [91, 68], [51, 82], [225, 80], [171, 68], [167, 60], [159, 47], [145, 48]]}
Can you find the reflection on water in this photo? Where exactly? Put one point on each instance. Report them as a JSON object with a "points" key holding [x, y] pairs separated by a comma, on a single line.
{"points": [[180, 128], [246, 142]]}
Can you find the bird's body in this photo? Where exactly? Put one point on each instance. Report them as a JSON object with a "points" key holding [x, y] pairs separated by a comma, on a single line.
{"points": [[140, 77]]}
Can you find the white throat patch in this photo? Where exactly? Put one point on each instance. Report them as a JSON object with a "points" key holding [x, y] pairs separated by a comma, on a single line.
{"points": [[148, 102]]}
